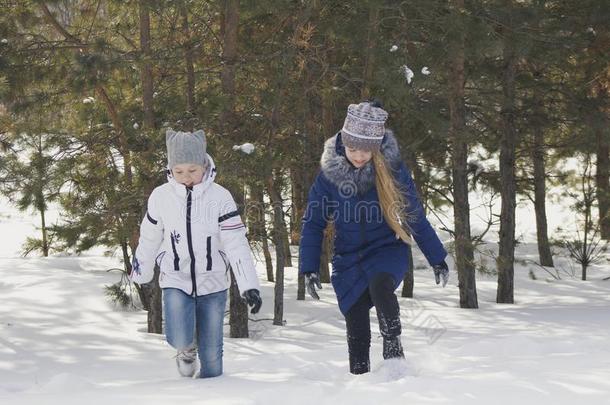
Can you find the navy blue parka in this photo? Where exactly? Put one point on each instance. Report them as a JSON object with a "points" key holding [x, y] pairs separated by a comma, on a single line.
{"points": [[364, 243]]}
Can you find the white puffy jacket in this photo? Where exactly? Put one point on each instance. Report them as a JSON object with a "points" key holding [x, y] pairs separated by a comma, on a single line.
{"points": [[193, 235]]}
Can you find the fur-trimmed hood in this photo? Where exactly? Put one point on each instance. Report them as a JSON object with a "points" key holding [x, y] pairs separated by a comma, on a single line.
{"points": [[342, 173]]}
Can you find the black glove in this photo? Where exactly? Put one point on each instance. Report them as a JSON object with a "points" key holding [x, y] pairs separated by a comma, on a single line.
{"points": [[312, 280], [441, 273], [253, 299]]}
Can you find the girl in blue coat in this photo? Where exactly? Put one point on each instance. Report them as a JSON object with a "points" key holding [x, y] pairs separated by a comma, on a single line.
{"points": [[365, 189]]}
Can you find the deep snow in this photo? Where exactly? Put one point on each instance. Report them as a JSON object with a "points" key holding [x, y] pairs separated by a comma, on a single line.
{"points": [[61, 342]]}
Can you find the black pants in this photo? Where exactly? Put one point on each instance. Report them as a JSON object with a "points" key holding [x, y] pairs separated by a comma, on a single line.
{"points": [[380, 294]]}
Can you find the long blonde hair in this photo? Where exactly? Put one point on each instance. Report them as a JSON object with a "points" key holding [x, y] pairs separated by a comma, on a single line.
{"points": [[391, 199]]}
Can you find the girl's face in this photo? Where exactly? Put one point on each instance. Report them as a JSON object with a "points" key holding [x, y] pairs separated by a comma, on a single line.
{"points": [[188, 174], [358, 157]]}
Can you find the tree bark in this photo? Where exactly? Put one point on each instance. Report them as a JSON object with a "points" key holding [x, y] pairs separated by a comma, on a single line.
{"points": [[457, 131], [259, 229], [229, 33], [327, 253], [287, 254], [506, 256], [146, 74], [286, 244], [544, 247], [238, 312], [278, 237], [40, 200], [602, 179], [229, 28], [370, 50], [146, 77], [45, 241], [189, 59], [238, 317], [298, 204], [301, 288], [268, 259], [154, 296]]}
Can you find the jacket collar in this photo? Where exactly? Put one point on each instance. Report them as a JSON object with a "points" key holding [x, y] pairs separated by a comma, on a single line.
{"points": [[198, 189], [342, 173]]}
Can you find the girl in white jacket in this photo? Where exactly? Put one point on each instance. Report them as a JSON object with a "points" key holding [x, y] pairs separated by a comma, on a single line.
{"points": [[193, 232]]}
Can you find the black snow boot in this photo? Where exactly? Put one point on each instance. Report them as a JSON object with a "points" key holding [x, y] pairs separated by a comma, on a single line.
{"points": [[388, 313], [358, 325], [359, 362], [392, 348]]}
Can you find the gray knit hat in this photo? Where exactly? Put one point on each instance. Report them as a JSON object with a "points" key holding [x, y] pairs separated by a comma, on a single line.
{"points": [[364, 126], [185, 147]]}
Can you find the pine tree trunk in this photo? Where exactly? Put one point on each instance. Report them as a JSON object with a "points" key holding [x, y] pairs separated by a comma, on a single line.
{"points": [[506, 256], [283, 229], [268, 259], [259, 229], [189, 61], [370, 50], [588, 207], [298, 204], [408, 282], [45, 242], [40, 202], [229, 30], [238, 312], [301, 288], [602, 179], [286, 245], [544, 247], [278, 290], [461, 208], [155, 314], [418, 176], [327, 252], [146, 74], [286, 240], [273, 187], [146, 77]]}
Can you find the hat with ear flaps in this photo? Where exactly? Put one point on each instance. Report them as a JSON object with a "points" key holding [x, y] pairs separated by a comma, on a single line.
{"points": [[185, 147], [364, 126]]}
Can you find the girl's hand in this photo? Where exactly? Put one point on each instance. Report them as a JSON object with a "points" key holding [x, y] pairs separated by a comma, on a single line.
{"points": [[253, 299], [312, 280], [441, 273]]}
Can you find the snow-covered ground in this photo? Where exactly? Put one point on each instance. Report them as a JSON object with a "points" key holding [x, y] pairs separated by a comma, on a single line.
{"points": [[62, 342]]}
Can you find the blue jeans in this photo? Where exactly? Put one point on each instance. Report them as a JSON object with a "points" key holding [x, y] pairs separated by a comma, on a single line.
{"points": [[187, 317]]}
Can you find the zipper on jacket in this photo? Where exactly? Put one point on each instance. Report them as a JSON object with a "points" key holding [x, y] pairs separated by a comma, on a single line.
{"points": [[189, 240]]}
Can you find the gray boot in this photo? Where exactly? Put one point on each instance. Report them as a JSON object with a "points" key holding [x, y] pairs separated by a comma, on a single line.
{"points": [[186, 360]]}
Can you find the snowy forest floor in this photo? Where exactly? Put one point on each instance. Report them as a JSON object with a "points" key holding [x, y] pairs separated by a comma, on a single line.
{"points": [[62, 342]]}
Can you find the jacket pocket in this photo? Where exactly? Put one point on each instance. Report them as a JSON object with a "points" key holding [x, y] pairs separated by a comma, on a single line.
{"points": [[208, 258], [208, 254]]}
